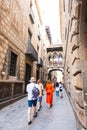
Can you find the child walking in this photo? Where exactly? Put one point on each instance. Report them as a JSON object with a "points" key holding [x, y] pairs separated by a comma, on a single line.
{"points": [[57, 89], [61, 89]]}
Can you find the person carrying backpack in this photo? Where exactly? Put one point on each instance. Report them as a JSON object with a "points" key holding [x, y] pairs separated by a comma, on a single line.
{"points": [[57, 89], [61, 89], [33, 93]]}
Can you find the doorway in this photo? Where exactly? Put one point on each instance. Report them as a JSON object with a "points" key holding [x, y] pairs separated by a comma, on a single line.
{"points": [[37, 75], [27, 75]]}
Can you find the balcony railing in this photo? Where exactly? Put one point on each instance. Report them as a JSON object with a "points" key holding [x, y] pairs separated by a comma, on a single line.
{"points": [[55, 64], [31, 52], [40, 62]]}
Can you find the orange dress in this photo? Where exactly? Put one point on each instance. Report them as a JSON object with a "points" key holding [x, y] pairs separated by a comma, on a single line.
{"points": [[49, 93]]}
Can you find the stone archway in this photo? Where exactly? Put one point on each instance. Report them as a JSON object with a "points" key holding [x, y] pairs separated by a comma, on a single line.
{"points": [[54, 60], [55, 74]]}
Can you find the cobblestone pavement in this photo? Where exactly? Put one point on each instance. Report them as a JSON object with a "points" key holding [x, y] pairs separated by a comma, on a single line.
{"points": [[59, 117]]}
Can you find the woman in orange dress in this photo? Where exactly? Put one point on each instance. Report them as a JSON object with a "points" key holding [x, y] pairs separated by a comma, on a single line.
{"points": [[49, 93]]}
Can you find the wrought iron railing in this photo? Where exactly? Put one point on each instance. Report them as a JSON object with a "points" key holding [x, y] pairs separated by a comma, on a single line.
{"points": [[40, 62], [31, 52]]}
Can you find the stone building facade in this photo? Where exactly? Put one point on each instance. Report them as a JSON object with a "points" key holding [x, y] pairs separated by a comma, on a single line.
{"points": [[73, 21], [21, 42]]}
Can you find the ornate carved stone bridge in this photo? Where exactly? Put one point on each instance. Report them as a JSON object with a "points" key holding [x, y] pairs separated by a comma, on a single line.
{"points": [[54, 59]]}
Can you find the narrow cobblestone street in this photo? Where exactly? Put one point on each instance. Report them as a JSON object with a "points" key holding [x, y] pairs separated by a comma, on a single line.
{"points": [[59, 117]]}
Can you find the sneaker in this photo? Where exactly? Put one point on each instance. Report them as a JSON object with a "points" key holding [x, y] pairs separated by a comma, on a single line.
{"points": [[35, 115], [39, 108], [50, 106], [29, 122]]}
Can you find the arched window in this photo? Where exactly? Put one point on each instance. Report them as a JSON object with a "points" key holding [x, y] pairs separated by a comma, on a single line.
{"points": [[60, 58], [55, 57]]}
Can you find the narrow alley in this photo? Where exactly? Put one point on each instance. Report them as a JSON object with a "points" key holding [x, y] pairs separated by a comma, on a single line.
{"points": [[47, 40], [59, 117]]}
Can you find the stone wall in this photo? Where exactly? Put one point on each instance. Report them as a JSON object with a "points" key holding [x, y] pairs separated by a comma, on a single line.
{"points": [[12, 35], [13, 38], [75, 70], [15, 24], [10, 91]]}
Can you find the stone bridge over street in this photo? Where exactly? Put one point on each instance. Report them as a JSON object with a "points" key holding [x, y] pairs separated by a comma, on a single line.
{"points": [[55, 59]]}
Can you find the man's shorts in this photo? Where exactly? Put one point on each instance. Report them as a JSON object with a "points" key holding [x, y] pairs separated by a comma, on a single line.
{"points": [[32, 103], [60, 90], [39, 99]]}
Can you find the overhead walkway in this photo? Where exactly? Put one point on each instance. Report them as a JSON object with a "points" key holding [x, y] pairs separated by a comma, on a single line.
{"points": [[59, 117]]}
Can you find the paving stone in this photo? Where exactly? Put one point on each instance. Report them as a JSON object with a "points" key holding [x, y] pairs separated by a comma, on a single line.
{"points": [[59, 117]]}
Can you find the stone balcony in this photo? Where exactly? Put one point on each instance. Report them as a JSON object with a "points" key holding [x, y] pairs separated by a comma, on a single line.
{"points": [[31, 52]]}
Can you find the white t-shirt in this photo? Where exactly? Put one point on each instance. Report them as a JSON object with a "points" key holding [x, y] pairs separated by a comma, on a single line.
{"points": [[60, 86], [57, 88], [29, 90]]}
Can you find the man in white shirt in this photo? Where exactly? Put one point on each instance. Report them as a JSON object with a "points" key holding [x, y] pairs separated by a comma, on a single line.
{"points": [[31, 101]]}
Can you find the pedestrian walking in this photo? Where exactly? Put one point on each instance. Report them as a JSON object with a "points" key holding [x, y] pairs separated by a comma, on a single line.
{"points": [[49, 93], [40, 95], [57, 89], [61, 89], [32, 99]]}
